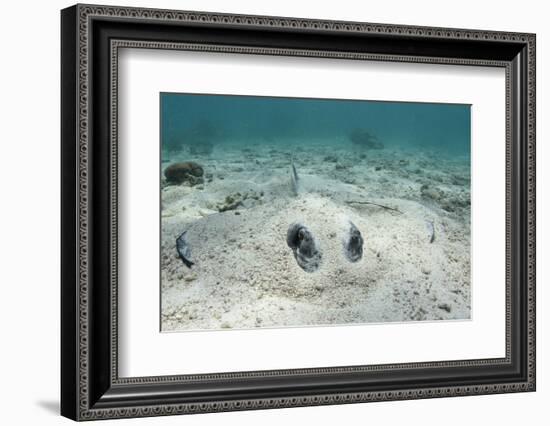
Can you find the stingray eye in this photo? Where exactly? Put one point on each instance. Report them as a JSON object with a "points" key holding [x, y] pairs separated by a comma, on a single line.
{"points": [[353, 244], [304, 247]]}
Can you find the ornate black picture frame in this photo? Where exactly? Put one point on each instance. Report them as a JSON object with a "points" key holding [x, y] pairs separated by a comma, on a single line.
{"points": [[91, 387]]}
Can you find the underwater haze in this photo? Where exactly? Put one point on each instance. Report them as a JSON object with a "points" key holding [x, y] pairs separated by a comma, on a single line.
{"points": [[409, 125], [293, 212]]}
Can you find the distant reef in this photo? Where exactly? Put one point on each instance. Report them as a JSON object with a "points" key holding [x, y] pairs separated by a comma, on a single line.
{"points": [[365, 139]]}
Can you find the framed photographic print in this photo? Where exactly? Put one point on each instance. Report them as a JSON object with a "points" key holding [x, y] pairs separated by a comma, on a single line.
{"points": [[263, 212]]}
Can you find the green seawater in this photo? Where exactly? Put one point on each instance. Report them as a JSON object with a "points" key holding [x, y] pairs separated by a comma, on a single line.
{"points": [[195, 120]]}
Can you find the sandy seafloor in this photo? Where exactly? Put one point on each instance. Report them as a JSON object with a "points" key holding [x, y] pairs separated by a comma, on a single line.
{"points": [[245, 275]]}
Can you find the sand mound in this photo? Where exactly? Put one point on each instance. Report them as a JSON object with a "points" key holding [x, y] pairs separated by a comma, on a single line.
{"points": [[246, 276]]}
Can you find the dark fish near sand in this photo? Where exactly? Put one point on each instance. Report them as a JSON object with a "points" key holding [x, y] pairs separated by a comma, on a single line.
{"points": [[184, 250]]}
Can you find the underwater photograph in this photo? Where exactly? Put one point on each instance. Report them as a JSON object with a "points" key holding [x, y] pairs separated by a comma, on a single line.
{"points": [[295, 212]]}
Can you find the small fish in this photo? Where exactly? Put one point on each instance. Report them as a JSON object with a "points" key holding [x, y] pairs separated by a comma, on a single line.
{"points": [[431, 230], [294, 181], [184, 250]]}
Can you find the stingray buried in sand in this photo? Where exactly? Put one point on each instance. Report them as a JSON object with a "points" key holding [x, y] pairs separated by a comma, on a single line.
{"points": [[288, 212], [305, 259]]}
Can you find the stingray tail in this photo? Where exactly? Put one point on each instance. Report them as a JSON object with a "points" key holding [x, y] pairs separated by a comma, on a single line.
{"points": [[294, 180]]}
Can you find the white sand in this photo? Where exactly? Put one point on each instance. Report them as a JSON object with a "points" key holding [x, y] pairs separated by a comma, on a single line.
{"points": [[246, 276]]}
